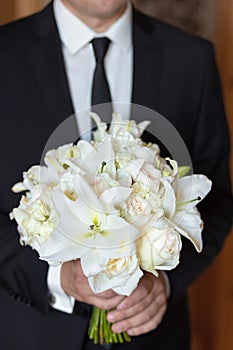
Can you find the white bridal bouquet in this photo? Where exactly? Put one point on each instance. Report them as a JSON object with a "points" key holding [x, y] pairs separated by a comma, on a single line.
{"points": [[115, 204]]}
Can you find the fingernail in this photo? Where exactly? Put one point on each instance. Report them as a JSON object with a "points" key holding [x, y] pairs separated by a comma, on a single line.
{"points": [[117, 328], [122, 306], [110, 318]]}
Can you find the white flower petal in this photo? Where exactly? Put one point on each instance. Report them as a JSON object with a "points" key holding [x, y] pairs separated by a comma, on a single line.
{"points": [[190, 225], [128, 287], [99, 159], [168, 199], [86, 195], [19, 215], [58, 249], [118, 273], [115, 195], [142, 126], [18, 187], [133, 168], [85, 148], [93, 262], [191, 187]]}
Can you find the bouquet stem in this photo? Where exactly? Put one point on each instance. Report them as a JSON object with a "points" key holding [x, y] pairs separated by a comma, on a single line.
{"points": [[100, 329]]}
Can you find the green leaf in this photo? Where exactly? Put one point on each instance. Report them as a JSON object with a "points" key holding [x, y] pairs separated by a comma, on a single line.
{"points": [[183, 170]]}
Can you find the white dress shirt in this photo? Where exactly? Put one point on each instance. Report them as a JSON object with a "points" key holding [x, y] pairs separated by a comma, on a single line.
{"points": [[80, 64], [80, 60]]}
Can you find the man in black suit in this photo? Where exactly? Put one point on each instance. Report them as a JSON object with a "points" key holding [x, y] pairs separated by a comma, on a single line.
{"points": [[173, 73]]}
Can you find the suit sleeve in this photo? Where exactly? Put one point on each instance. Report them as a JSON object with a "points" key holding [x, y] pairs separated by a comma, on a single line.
{"points": [[22, 274], [210, 155]]}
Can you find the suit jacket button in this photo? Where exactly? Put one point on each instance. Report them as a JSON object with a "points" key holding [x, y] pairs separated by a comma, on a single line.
{"points": [[28, 303], [18, 297]]}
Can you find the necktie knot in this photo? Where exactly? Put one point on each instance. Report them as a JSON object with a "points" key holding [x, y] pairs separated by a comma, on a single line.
{"points": [[100, 47]]}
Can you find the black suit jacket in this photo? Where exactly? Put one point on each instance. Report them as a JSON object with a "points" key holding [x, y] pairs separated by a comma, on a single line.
{"points": [[174, 74]]}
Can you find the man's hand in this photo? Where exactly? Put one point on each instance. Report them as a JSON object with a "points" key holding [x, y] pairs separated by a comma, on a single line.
{"points": [[75, 283], [139, 313], [144, 309]]}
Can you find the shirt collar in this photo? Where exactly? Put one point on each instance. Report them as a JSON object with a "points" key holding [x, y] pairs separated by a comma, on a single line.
{"points": [[75, 34]]}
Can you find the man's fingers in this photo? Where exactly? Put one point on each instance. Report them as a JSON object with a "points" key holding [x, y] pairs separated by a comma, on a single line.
{"points": [[143, 310], [137, 307], [147, 290], [148, 302], [141, 322], [150, 325]]}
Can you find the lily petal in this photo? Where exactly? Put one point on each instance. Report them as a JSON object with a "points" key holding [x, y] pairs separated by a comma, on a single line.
{"points": [[193, 187], [169, 199], [189, 224], [85, 148], [115, 195]]}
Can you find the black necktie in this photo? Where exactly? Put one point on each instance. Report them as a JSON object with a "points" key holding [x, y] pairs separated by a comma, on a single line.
{"points": [[100, 90]]}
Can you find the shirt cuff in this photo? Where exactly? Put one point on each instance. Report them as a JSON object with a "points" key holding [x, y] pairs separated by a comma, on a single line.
{"points": [[59, 300]]}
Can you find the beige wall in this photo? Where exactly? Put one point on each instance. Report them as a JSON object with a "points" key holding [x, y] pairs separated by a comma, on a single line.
{"points": [[195, 16], [12, 9]]}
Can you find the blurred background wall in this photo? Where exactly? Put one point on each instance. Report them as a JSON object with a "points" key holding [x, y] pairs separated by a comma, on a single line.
{"points": [[211, 295]]}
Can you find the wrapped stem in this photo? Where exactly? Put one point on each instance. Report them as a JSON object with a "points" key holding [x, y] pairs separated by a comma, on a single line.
{"points": [[100, 329]]}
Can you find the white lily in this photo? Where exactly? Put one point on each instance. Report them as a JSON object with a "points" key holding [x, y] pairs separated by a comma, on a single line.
{"points": [[36, 175], [95, 160], [101, 182], [101, 132], [130, 168], [56, 158], [85, 224], [63, 244], [178, 206], [148, 152], [127, 129], [191, 190], [168, 198], [100, 214]]}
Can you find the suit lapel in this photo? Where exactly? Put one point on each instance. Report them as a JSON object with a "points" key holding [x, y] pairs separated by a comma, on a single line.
{"points": [[48, 67], [47, 62], [148, 51]]}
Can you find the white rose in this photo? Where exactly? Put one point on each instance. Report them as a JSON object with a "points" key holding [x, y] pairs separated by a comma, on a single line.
{"points": [[121, 274], [153, 198], [159, 250], [136, 210], [149, 176], [139, 206], [67, 185], [36, 218]]}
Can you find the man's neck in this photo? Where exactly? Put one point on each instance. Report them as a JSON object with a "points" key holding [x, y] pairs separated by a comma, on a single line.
{"points": [[99, 25]]}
